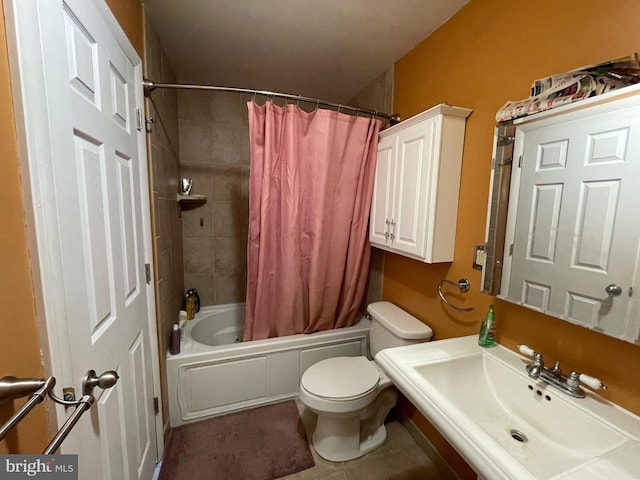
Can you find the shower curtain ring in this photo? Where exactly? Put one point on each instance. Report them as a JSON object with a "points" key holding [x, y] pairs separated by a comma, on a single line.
{"points": [[298, 100], [357, 111], [253, 99], [339, 108]]}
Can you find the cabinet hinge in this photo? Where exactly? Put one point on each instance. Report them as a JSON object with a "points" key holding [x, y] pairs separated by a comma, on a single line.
{"points": [[139, 119], [511, 250], [147, 272], [156, 405], [520, 161]]}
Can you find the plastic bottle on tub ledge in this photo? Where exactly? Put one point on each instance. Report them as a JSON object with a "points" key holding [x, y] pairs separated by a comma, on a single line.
{"points": [[190, 305], [174, 340], [194, 292], [182, 323]]}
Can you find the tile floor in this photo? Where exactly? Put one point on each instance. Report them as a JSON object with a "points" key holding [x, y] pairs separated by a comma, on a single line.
{"points": [[400, 458]]}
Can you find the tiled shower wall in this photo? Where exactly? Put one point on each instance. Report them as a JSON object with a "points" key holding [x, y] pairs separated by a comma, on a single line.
{"points": [[214, 152], [162, 147]]}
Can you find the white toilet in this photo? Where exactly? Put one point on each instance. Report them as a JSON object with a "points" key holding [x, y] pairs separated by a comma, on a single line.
{"points": [[351, 395]]}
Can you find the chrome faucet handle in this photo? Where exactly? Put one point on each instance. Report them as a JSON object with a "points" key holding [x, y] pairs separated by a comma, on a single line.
{"points": [[535, 368], [574, 379], [530, 352]]}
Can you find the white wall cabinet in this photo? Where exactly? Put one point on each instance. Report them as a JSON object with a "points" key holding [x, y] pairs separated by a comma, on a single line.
{"points": [[415, 195]]}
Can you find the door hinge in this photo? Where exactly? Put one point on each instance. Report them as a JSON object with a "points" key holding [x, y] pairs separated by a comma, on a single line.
{"points": [[147, 272], [139, 119], [520, 161], [156, 405], [511, 250]]}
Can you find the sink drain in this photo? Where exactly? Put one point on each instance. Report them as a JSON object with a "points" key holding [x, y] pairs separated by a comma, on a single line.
{"points": [[519, 436]]}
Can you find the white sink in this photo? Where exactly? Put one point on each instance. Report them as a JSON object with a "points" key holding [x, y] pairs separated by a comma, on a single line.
{"points": [[508, 426]]}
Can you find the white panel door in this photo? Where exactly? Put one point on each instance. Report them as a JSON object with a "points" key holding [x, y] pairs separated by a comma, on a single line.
{"points": [[88, 180], [578, 229], [415, 160], [382, 204]]}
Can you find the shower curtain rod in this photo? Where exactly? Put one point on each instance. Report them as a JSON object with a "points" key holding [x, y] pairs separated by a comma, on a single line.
{"points": [[150, 85]]}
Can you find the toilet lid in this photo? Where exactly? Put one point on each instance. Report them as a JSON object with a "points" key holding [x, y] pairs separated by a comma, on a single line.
{"points": [[341, 377]]}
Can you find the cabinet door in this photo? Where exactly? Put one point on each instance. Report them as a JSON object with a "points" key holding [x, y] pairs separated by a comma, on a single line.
{"points": [[577, 225], [415, 158], [382, 203]]}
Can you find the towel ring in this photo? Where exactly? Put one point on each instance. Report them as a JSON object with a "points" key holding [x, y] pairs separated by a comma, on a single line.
{"points": [[464, 285]]}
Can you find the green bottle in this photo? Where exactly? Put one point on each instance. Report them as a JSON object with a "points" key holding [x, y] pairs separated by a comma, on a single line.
{"points": [[487, 330]]}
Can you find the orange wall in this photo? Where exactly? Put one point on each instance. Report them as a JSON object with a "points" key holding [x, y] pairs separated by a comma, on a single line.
{"points": [[129, 15], [20, 351], [486, 54]]}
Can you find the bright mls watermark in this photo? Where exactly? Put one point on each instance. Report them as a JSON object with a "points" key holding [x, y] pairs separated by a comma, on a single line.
{"points": [[52, 467]]}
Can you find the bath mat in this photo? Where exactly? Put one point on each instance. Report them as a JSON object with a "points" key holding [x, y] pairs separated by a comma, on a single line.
{"points": [[258, 444]]}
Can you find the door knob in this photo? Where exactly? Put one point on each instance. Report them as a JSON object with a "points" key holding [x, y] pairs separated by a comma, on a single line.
{"points": [[107, 380], [613, 289]]}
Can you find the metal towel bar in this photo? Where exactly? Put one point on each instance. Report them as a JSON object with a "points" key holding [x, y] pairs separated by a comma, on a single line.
{"points": [[12, 388], [464, 285]]}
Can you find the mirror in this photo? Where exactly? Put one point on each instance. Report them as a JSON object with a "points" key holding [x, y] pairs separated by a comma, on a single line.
{"points": [[563, 230]]}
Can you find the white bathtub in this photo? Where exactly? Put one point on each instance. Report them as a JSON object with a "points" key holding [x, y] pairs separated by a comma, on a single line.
{"points": [[216, 373]]}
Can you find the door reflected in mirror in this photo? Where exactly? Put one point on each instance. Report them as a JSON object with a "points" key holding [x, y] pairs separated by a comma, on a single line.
{"points": [[572, 229]]}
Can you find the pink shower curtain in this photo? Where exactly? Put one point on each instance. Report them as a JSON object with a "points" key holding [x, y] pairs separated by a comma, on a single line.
{"points": [[310, 187]]}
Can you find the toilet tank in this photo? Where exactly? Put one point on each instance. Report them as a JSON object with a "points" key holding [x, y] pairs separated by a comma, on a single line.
{"points": [[393, 327]]}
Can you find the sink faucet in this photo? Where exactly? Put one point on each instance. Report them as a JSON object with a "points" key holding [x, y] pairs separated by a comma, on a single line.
{"points": [[569, 384], [536, 367]]}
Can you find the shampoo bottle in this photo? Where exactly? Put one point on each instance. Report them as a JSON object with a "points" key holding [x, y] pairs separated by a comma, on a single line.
{"points": [[487, 330], [196, 296], [190, 305], [174, 340]]}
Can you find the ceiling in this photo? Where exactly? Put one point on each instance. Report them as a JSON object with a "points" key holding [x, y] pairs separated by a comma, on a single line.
{"points": [[329, 49]]}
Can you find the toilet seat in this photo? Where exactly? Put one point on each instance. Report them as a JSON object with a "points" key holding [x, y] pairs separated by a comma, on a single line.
{"points": [[341, 378]]}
